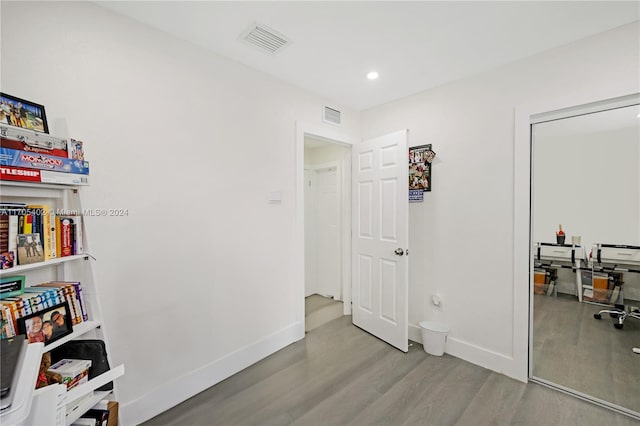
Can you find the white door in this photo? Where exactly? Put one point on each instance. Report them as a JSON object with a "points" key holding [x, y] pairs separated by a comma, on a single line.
{"points": [[323, 243], [380, 238], [329, 255]]}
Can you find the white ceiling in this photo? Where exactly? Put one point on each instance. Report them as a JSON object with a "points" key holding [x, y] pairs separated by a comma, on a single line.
{"points": [[414, 45]]}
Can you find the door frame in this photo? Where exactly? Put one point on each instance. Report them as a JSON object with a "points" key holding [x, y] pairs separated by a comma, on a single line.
{"points": [[525, 119], [331, 135]]}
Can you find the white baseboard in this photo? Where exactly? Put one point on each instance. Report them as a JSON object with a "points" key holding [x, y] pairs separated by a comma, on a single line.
{"points": [[415, 335], [477, 355], [173, 393]]}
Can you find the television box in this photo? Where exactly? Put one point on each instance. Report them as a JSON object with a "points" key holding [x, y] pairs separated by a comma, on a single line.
{"points": [[73, 371]]}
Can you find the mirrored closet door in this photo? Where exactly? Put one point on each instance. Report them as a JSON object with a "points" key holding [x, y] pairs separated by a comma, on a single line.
{"points": [[585, 236]]}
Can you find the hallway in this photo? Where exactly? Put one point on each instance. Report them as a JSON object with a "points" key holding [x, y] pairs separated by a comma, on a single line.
{"points": [[320, 310]]}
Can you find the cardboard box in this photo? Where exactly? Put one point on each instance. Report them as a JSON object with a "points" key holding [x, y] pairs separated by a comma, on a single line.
{"points": [[99, 411], [30, 160], [112, 406], [601, 288], [539, 281], [73, 371]]}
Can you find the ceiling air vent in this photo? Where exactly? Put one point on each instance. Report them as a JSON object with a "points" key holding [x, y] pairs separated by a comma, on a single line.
{"points": [[264, 38], [331, 115]]}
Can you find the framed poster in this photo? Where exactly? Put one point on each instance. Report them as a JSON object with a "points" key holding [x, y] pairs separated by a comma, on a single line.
{"points": [[22, 113], [420, 158]]}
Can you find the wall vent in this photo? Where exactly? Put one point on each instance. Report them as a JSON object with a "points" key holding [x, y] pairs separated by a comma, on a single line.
{"points": [[264, 38], [332, 115]]}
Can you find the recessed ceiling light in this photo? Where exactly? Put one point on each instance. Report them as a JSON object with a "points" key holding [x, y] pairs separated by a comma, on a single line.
{"points": [[372, 75]]}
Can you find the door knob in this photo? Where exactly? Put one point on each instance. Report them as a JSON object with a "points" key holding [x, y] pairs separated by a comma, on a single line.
{"points": [[399, 251]]}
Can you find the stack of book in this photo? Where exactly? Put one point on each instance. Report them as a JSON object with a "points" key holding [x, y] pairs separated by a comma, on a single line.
{"points": [[36, 233], [40, 298]]}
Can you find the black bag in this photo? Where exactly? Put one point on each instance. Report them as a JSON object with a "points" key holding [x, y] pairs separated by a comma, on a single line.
{"points": [[93, 350]]}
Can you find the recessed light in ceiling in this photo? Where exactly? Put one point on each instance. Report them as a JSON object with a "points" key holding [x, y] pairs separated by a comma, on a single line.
{"points": [[372, 75]]}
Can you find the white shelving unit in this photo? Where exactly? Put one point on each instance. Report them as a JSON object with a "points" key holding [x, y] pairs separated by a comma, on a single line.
{"points": [[20, 409], [54, 405], [24, 268]]}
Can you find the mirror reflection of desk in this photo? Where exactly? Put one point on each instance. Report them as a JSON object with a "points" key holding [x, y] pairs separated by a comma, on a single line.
{"points": [[610, 262], [548, 258]]}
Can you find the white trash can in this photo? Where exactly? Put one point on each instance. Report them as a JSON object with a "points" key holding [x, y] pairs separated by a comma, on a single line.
{"points": [[434, 337]]}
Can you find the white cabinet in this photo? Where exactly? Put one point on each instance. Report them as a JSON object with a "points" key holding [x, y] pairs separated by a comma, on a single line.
{"points": [[54, 405]]}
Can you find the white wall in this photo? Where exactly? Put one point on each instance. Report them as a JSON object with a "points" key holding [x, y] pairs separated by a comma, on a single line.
{"points": [[323, 154], [589, 183], [198, 280], [463, 234]]}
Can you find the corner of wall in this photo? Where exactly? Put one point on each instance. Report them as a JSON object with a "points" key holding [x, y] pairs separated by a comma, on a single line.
{"points": [[184, 387], [494, 361]]}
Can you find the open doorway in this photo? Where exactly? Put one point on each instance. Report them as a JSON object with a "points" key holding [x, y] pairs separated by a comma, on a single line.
{"points": [[326, 229], [377, 169]]}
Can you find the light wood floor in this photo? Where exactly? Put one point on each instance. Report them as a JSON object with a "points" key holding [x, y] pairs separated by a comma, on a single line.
{"points": [[573, 349], [340, 375], [320, 310]]}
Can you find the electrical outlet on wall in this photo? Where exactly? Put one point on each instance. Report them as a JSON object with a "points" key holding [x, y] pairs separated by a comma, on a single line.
{"points": [[436, 300]]}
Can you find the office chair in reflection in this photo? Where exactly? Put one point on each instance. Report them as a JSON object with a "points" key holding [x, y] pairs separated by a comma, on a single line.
{"points": [[620, 312]]}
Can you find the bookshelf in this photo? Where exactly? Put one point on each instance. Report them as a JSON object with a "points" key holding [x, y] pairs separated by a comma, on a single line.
{"points": [[53, 404], [23, 268]]}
